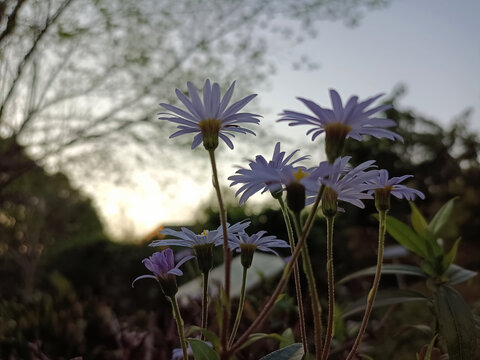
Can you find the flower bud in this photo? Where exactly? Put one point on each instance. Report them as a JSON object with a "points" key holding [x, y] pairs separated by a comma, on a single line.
{"points": [[246, 255], [296, 197], [382, 198], [204, 254], [329, 202], [296, 192]]}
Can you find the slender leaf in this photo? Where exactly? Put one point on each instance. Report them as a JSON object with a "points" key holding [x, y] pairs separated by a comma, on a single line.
{"points": [[385, 298], [456, 274], [476, 318], [456, 323], [292, 352], [449, 257], [441, 218], [429, 268], [386, 269], [288, 338], [418, 221], [258, 336], [406, 236], [428, 355], [424, 329], [201, 351], [366, 357]]}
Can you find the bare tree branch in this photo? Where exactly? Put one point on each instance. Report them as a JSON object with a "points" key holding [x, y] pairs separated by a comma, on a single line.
{"points": [[11, 20], [30, 52]]}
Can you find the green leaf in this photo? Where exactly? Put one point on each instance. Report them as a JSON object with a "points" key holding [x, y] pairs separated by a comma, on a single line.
{"points": [[457, 274], [386, 269], [292, 352], [287, 338], [406, 236], [428, 355], [476, 318], [424, 329], [339, 325], [209, 335], [429, 268], [201, 351], [385, 298], [449, 257], [456, 323], [418, 221], [366, 357], [441, 218], [258, 336]]}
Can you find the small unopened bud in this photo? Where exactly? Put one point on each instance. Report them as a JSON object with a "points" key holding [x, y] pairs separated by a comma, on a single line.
{"points": [[204, 254], [246, 255], [329, 202], [382, 198]]}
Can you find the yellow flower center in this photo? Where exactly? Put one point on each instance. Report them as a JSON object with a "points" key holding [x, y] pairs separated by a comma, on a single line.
{"points": [[204, 233], [299, 174]]}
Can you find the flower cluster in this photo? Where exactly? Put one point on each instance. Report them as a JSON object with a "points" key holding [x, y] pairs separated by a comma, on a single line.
{"points": [[209, 118]]}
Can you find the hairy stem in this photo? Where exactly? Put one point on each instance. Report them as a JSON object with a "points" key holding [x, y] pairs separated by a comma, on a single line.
{"points": [[312, 289], [241, 302], [205, 300], [227, 256], [179, 321], [296, 275], [331, 288], [376, 281], [284, 279]]}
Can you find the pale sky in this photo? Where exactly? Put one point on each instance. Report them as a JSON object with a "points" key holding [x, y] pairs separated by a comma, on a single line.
{"points": [[430, 46]]}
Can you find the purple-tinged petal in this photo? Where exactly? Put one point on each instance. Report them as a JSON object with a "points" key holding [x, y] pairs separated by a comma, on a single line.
{"points": [[143, 277]]}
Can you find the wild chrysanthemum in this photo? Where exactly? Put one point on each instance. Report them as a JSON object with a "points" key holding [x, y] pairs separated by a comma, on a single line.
{"points": [[264, 175], [393, 185], [383, 186], [350, 121], [164, 270], [201, 244], [248, 244], [209, 119], [187, 238], [347, 184]]}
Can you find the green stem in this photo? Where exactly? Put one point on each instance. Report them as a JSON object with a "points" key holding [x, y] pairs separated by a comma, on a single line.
{"points": [[205, 301], [296, 275], [241, 302], [283, 280], [376, 281], [179, 321], [227, 257], [331, 288], [312, 289]]}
